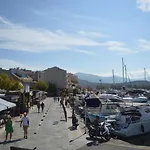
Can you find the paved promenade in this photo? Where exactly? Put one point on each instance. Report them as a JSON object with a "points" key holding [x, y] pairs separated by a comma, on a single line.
{"points": [[51, 134]]}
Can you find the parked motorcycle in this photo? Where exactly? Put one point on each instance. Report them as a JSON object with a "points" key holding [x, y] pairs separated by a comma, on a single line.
{"points": [[102, 131]]}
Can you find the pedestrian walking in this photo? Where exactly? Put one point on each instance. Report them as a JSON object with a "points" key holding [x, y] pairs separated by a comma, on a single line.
{"points": [[8, 127], [58, 99], [55, 99], [42, 106], [38, 107], [25, 122]]}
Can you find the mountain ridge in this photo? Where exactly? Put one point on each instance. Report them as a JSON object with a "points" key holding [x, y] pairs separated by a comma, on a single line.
{"points": [[97, 79]]}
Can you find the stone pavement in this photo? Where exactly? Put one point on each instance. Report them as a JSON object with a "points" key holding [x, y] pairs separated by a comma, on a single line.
{"points": [[52, 134]]}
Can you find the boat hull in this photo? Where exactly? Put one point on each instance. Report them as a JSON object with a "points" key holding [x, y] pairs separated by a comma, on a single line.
{"points": [[133, 129]]}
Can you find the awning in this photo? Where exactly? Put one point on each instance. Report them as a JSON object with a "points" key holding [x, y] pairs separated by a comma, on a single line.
{"points": [[4, 105]]}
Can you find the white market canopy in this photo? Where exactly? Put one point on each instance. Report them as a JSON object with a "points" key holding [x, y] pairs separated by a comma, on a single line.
{"points": [[4, 105]]}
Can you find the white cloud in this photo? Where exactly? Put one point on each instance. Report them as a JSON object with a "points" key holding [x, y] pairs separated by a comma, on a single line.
{"points": [[133, 74], [144, 45], [119, 47], [21, 38], [8, 63], [144, 5], [85, 52], [139, 74], [92, 34]]}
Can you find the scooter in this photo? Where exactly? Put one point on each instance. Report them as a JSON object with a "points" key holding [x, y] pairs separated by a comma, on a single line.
{"points": [[103, 131]]}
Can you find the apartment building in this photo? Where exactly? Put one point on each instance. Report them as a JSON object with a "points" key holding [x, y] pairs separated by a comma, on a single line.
{"points": [[55, 76]]}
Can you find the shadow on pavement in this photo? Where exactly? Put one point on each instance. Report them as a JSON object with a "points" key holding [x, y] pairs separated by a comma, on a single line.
{"points": [[55, 122], [142, 140], [69, 117], [95, 142], [62, 120], [12, 141], [71, 128]]}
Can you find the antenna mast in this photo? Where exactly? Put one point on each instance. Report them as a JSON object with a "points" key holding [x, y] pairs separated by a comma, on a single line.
{"points": [[113, 77], [123, 70], [144, 74]]}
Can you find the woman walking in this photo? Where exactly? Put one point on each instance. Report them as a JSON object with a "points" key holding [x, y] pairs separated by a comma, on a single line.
{"points": [[8, 127]]}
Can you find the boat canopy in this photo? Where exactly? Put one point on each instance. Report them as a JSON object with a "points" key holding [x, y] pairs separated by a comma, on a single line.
{"points": [[93, 102]]}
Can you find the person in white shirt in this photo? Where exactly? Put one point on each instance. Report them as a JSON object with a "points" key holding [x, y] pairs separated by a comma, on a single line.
{"points": [[25, 122]]}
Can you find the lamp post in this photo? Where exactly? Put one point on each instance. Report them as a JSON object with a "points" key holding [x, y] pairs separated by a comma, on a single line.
{"points": [[74, 94], [101, 84], [85, 111]]}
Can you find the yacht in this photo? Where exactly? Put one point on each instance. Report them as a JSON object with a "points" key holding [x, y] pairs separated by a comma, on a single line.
{"points": [[132, 121], [97, 107]]}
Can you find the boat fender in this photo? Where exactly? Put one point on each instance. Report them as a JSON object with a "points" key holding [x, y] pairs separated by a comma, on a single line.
{"points": [[142, 128]]}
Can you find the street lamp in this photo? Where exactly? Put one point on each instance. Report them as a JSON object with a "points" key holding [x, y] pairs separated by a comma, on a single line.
{"points": [[101, 84], [74, 94]]}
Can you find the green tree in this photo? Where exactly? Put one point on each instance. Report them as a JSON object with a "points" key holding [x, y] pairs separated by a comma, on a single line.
{"points": [[7, 83], [40, 85]]}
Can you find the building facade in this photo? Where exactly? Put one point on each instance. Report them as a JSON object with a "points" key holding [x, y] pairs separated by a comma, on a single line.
{"points": [[55, 76]]}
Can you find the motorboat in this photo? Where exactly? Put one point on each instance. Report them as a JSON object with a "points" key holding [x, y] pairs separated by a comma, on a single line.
{"points": [[96, 107], [139, 99], [111, 97], [132, 121], [135, 101]]}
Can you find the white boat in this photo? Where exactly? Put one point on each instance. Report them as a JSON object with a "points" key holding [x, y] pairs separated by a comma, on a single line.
{"points": [[136, 101], [132, 121], [103, 109], [110, 97]]}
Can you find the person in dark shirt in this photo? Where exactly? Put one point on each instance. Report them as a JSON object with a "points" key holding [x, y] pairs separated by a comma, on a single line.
{"points": [[38, 106], [42, 106]]}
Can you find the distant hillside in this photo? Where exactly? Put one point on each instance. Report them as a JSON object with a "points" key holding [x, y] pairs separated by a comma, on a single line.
{"points": [[133, 84], [95, 78]]}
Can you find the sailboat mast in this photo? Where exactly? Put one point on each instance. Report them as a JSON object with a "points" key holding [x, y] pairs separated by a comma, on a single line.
{"points": [[144, 74], [125, 73], [123, 69], [113, 77]]}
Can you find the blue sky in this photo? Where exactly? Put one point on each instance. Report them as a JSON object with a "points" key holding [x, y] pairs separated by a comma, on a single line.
{"points": [[77, 35]]}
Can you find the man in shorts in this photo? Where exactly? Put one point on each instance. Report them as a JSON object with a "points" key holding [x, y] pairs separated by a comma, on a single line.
{"points": [[25, 122]]}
